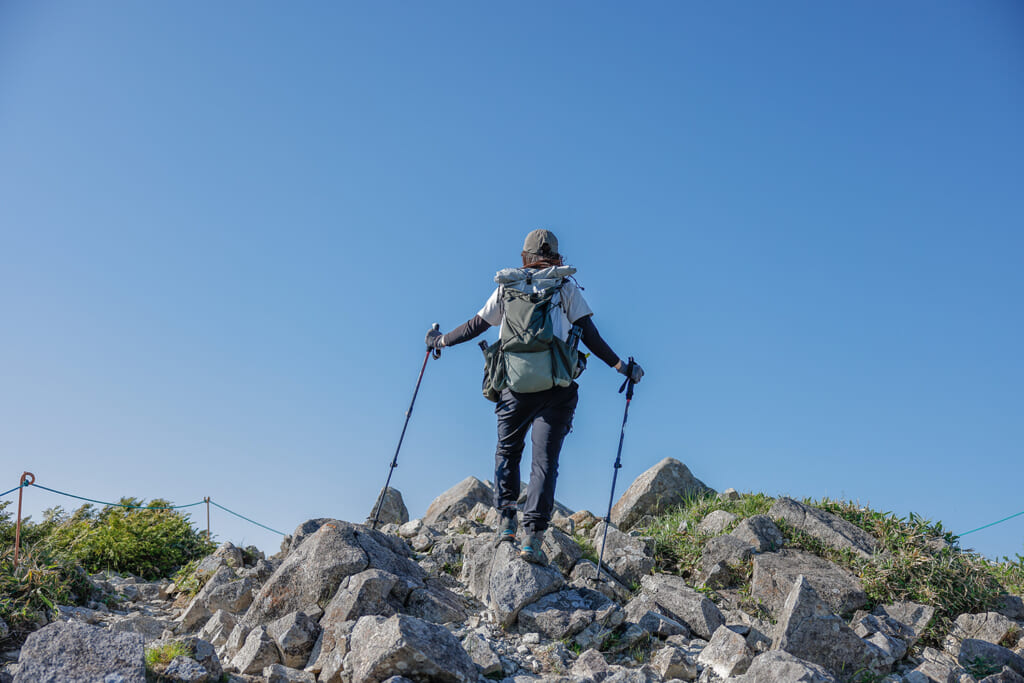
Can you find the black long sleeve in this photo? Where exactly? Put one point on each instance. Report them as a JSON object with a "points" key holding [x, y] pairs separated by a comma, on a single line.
{"points": [[468, 330], [593, 341]]}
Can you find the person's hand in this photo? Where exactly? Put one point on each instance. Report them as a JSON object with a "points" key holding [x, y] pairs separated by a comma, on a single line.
{"points": [[434, 339], [637, 373]]}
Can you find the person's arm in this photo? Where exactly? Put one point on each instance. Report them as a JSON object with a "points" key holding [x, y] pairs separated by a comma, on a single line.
{"points": [[470, 329], [593, 341]]}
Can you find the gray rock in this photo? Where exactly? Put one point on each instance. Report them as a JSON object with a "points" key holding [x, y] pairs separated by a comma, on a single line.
{"points": [[1007, 675], [626, 557], [186, 670], [5, 630], [913, 617], [678, 601], [716, 522], [234, 597], [407, 646], [665, 484], [775, 575], [583, 576], [672, 663], [936, 667], [236, 639], [889, 635], [591, 664], [458, 501], [392, 509], [411, 529], [778, 666], [75, 652], [295, 635], [232, 556], [258, 652], [990, 626], [831, 530], [312, 572], [563, 614], [727, 550], [218, 627], [203, 652], [1011, 606], [729, 494], [561, 550], [761, 532], [809, 630], [148, 627], [197, 611], [973, 651], [482, 653], [436, 604], [643, 610], [372, 591], [726, 654], [278, 673], [328, 656], [208, 566], [499, 578]]}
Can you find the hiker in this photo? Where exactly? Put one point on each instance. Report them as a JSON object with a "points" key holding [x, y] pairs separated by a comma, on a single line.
{"points": [[532, 381]]}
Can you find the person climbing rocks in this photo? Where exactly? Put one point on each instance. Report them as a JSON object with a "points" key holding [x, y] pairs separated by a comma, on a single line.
{"points": [[542, 315]]}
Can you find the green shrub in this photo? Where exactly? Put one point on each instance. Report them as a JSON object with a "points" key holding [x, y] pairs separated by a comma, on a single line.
{"points": [[148, 542], [160, 655], [36, 587]]}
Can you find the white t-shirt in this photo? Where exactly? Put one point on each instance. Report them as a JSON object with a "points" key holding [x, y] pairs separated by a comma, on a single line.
{"points": [[571, 306]]}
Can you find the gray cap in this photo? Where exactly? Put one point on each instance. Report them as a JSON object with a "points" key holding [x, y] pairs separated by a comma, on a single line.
{"points": [[536, 240]]}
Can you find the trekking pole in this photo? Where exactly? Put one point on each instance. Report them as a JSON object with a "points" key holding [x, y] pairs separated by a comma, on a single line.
{"points": [[627, 386], [394, 461]]}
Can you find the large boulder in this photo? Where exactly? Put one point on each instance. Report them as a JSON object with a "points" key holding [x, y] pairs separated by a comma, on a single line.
{"points": [[313, 571], [563, 614], [458, 501], [830, 529], [75, 652], [392, 508], [681, 603], [506, 583], [626, 557], [410, 647], [775, 574], [776, 666], [665, 484], [809, 630]]}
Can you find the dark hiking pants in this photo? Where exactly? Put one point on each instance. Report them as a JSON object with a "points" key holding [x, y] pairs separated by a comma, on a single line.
{"points": [[549, 413]]}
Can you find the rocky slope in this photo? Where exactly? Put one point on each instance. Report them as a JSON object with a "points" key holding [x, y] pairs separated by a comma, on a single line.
{"points": [[434, 599]]}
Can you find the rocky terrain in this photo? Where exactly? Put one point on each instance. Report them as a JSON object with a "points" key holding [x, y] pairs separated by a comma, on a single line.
{"points": [[434, 599]]}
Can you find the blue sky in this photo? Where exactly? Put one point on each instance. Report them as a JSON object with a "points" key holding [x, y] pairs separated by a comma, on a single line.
{"points": [[225, 229]]}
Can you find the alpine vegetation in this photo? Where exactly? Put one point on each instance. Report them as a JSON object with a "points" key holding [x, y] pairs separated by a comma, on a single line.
{"points": [[696, 585]]}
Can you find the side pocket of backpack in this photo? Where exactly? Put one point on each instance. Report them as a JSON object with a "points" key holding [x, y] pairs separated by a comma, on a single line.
{"points": [[494, 372]]}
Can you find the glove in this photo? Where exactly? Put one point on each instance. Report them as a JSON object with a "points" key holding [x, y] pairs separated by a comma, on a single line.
{"points": [[637, 374], [434, 339]]}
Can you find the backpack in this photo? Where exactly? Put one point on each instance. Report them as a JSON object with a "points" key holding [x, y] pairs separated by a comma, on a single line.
{"points": [[528, 357]]}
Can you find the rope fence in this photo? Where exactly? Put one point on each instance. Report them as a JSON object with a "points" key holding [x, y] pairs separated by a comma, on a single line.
{"points": [[28, 479]]}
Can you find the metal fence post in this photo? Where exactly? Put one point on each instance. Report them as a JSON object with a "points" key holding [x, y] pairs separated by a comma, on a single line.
{"points": [[30, 479]]}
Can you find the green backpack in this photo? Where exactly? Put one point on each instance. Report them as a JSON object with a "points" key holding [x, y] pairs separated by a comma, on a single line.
{"points": [[529, 357]]}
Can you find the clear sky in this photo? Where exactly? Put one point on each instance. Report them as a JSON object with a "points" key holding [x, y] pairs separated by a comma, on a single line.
{"points": [[226, 227]]}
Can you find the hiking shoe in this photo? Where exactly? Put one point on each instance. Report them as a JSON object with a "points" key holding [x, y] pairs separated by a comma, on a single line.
{"points": [[532, 549], [507, 529]]}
